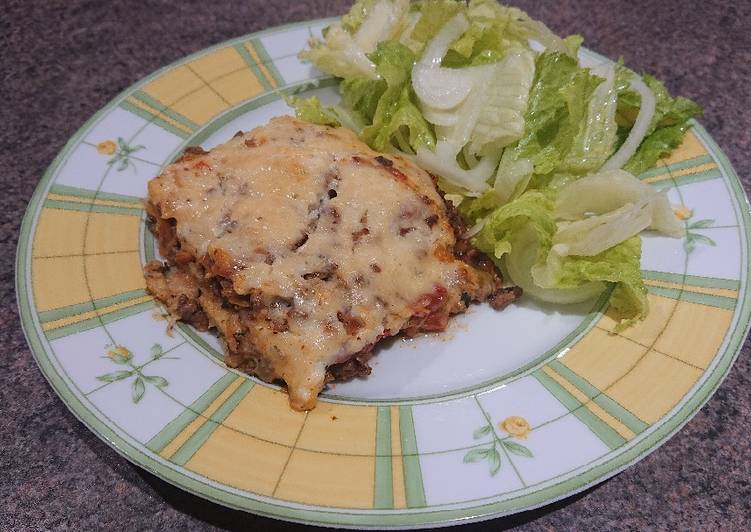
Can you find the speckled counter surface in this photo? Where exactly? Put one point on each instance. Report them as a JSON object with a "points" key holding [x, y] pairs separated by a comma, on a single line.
{"points": [[63, 60]]}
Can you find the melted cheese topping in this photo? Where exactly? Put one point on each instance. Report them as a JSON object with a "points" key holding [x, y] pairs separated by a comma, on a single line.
{"points": [[341, 242]]}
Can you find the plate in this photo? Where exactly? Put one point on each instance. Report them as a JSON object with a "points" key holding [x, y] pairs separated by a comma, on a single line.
{"points": [[503, 412]]}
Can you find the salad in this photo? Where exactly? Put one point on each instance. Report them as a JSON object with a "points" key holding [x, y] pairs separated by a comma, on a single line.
{"points": [[539, 153]]}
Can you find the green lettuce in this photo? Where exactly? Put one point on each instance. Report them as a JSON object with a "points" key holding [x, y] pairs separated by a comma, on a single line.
{"points": [[396, 119], [532, 210], [352, 20], [521, 235], [667, 129], [475, 209], [338, 55], [570, 127], [361, 95], [383, 111], [347, 42], [619, 266], [311, 110], [494, 31], [588, 135], [657, 144], [566, 130], [433, 15]]}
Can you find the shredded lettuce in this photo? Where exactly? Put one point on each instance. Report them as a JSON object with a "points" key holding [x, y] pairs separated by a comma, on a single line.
{"points": [[667, 128], [538, 152], [619, 266], [433, 15], [477, 110], [496, 30], [343, 52], [513, 177], [352, 20], [570, 126], [607, 192], [522, 235], [396, 121], [339, 55], [311, 110]]}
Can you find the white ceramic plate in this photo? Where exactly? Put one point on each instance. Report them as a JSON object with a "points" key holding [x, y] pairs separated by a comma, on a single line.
{"points": [[504, 412]]}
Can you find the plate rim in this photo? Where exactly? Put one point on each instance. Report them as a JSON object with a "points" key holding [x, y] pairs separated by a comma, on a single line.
{"points": [[670, 424]]}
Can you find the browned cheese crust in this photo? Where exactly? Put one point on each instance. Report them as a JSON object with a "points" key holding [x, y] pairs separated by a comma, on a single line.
{"points": [[303, 248]]}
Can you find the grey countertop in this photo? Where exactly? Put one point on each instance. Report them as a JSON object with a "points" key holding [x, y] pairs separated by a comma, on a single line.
{"points": [[64, 59]]}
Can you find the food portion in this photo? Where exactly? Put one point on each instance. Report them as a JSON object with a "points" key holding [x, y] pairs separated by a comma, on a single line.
{"points": [[540, 154], [303, 248]]}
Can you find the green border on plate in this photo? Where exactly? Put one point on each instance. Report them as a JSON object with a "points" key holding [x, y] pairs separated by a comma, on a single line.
{"points": [[647, 442]]}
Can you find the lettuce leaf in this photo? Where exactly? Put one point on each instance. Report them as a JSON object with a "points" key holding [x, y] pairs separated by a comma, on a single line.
{"points": [[612, 190], [584, 136], [501, 119], [396, 119], [546, 112], [522, 232], [658, 144], [433, 15], [668, 110], [513, 176], [311, 110], [383, 110], [667, 129], [343, 52], [339, 55], [618, 265], [489, 101], [531, 209], [478, 208], [570, 126], [352, 20], [381, 20], [589, 134], [361, 95], [495, 30], [476, 110]]}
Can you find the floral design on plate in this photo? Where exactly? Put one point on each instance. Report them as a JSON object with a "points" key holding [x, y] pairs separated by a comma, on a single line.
{"points": [[515, 426], [121, 152], [693, 238], [123, 357]]}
